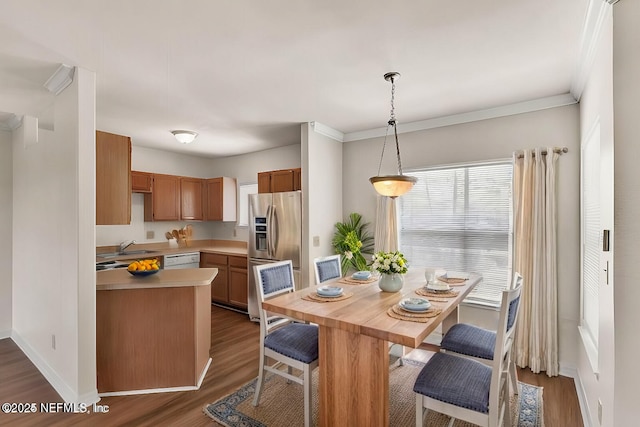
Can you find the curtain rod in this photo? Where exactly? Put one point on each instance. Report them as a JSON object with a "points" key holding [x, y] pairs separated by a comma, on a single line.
{"points": [[544, 152]]}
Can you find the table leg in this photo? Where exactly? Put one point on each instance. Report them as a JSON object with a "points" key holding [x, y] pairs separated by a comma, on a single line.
{"points": [[449, 321], [354, 379]]}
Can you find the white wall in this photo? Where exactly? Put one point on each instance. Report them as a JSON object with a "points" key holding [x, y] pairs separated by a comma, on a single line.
{"points": [[626, 93], [486, 140], [596, 105], [6, 171], [54, 245], [322, 184]]}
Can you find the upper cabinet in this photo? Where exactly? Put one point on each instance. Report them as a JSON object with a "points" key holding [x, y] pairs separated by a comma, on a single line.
{"points": [[279, 181], [113, 179], [176, 198], [141, 182], [220, 199], [191, 196], [163, 204]]}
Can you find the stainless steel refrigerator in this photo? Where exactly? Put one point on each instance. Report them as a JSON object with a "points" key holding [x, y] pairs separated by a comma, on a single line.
{"points": [[275, 234]]}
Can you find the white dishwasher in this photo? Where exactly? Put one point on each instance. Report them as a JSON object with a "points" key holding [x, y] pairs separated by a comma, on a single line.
{"points": [[186, 260]]}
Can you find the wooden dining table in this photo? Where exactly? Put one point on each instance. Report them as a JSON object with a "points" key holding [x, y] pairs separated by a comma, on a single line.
{"points": [[354, 337]]}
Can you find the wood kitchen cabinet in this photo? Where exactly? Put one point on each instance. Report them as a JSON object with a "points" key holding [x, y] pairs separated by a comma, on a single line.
{"points": [[220, 199], [163, 204], [238, 282], [264, 182], [191, 195], [279, 180], [230, 286], [141, 182], [113, 179]]}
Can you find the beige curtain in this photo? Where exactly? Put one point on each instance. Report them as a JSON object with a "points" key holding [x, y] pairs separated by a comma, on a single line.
{"points": [[535, 258], [386, 233]]}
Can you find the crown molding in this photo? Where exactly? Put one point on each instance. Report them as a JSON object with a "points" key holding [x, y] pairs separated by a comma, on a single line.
{"points": [[597, 11], [327, 131], [490, 113]]}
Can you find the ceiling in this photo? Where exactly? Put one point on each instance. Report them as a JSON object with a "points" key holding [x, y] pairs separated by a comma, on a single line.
{"points": [[245, 73]]}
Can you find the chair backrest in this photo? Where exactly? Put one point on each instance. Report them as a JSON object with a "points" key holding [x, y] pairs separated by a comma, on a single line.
{"points": [[504, 339], [327, 268], [517, 280], [272, 279]]}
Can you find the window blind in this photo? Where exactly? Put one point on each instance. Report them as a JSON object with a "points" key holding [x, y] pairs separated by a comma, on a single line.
{"points": [[459, 218], [591, 235]]}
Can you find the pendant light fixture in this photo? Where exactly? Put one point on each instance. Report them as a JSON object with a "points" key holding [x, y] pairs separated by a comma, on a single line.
{"points": [[392, 185]]}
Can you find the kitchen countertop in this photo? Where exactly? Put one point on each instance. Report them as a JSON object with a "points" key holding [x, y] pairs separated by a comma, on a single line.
{"points": [[121, 279], [223, 247]]}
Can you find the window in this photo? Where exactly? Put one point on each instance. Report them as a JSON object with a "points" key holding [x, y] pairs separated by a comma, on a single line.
{"points": [[590, 209], [243, 202], [459, 218]]}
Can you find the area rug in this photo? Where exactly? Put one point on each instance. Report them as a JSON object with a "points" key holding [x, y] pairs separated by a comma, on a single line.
{"points": [[281, 403]]}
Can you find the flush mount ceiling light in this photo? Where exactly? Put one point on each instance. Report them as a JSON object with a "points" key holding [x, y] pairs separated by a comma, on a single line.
{"points": [[184, 136], [392, 185]]}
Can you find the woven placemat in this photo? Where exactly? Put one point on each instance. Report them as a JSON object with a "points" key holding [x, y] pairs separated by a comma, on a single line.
{"points": [[398, 313], [350, 281], [317, 298], [453, 281], [427, 293]]}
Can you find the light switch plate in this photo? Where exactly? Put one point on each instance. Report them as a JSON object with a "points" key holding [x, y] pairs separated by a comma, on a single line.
{"points": [[316, 241], [151, 234]]}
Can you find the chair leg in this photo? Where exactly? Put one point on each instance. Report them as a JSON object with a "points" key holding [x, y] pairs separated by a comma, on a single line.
{"points": [[506, 417], [513, 374], [307, 396], [419, 412], [258, 390], [290, 372]]}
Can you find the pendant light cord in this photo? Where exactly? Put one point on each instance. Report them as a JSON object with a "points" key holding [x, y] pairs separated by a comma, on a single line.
{"points": [[392, 123]]}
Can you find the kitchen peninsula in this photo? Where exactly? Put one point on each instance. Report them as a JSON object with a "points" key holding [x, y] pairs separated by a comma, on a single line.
{"points": [[153, 333]]}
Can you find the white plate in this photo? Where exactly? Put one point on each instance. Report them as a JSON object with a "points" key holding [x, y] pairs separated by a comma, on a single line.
{"points": [[438, 286], [329, 296], [417, 305], [329, 291], [361, 275]]}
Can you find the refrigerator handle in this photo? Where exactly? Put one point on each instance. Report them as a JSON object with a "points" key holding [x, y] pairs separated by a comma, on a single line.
{"points": [[275, 233], [269, 254]]}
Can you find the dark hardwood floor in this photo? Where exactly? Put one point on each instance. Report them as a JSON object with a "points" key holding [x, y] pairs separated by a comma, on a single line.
{"points": [[234, 350]]}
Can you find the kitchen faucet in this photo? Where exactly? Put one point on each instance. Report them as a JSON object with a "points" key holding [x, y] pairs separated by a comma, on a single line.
{"points": [[124, 245]]}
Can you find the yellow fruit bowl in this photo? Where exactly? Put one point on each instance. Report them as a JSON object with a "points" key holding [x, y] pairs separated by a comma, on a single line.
{"points": [[144, 267], [143, 273]]}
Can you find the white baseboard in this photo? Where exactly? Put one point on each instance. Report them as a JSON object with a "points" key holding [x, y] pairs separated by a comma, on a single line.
{"points": [[161, 390], [65, 392], [582, 400]]}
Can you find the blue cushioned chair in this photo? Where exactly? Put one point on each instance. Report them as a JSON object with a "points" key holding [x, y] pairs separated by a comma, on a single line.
{"points": [[478, 343], [283, 340], [467, 389], [327, 268]]}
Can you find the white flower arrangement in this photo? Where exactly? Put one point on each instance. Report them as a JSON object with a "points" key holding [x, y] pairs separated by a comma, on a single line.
{"points": [[389, 262]]}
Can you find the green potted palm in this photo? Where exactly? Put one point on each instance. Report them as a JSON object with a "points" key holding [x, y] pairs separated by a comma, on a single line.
{"points": [[352, 240]]}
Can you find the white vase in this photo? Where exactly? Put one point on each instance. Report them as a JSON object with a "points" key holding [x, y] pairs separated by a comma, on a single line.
{"points": [[391, 282]]}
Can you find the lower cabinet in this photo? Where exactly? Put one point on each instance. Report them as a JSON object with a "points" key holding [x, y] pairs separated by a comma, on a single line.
{"points": [[238, 282], [230, 287]]}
